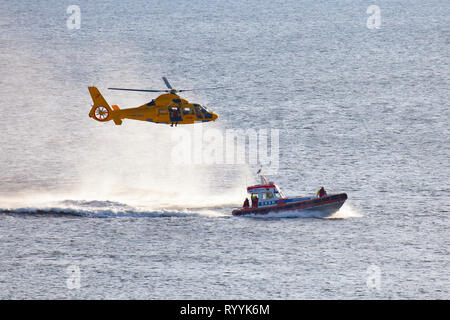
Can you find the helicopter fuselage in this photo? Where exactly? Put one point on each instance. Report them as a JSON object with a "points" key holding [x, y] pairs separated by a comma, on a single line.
{"points": [[168, 108]]}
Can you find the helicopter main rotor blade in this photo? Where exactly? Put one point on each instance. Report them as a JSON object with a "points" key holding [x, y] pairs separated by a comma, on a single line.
{"points": [[200, 89], [167, 83], [138, 90]]}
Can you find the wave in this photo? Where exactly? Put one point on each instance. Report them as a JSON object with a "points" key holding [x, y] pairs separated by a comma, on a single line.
{"points": [[94, 214]]}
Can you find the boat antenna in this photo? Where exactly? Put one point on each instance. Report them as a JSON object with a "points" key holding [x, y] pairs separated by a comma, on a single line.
{"points": [[263, 178]]}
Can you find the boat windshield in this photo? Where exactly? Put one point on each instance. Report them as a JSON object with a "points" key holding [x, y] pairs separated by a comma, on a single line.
{"points": [[278, 194]]}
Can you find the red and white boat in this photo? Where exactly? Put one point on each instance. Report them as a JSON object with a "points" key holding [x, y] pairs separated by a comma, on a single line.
{"points": [[267, 198]]}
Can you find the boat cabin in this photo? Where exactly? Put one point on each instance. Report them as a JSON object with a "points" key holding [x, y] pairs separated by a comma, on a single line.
{"points": [[266, 194]]}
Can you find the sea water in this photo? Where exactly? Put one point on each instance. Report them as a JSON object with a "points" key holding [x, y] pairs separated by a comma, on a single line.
{"points": [[355, 95]]}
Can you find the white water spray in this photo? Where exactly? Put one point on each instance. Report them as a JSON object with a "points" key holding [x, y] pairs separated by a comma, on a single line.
{"points": [[72, 157]]}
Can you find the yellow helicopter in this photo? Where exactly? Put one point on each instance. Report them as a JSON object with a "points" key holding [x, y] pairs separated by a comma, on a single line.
{"points": [[167, 108]]}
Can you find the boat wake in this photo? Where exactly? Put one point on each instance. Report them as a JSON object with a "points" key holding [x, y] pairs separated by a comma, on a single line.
{"points": [[105, 209]]}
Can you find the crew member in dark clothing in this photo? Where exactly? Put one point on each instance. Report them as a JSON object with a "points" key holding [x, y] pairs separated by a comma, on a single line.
{"points": [[176, 115], [321, 193], [246, 203], [171, 116]]}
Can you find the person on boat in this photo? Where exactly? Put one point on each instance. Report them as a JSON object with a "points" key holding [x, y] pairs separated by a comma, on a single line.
{"points": [[254, 201], [246, 203], [321, 193]]}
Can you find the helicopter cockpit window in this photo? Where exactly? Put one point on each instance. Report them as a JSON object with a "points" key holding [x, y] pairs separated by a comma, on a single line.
{"points": [[208, 115], [197, 112], [188, 111]]}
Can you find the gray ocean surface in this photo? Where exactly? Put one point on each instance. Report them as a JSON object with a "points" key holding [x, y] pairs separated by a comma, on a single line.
{"points": [[91, 210]]}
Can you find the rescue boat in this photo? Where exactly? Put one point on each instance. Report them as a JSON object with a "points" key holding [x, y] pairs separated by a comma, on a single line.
{"points": [[267, 198]]}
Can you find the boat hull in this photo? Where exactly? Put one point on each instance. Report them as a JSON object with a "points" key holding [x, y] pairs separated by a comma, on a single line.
{"points": [[322, 207]]}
